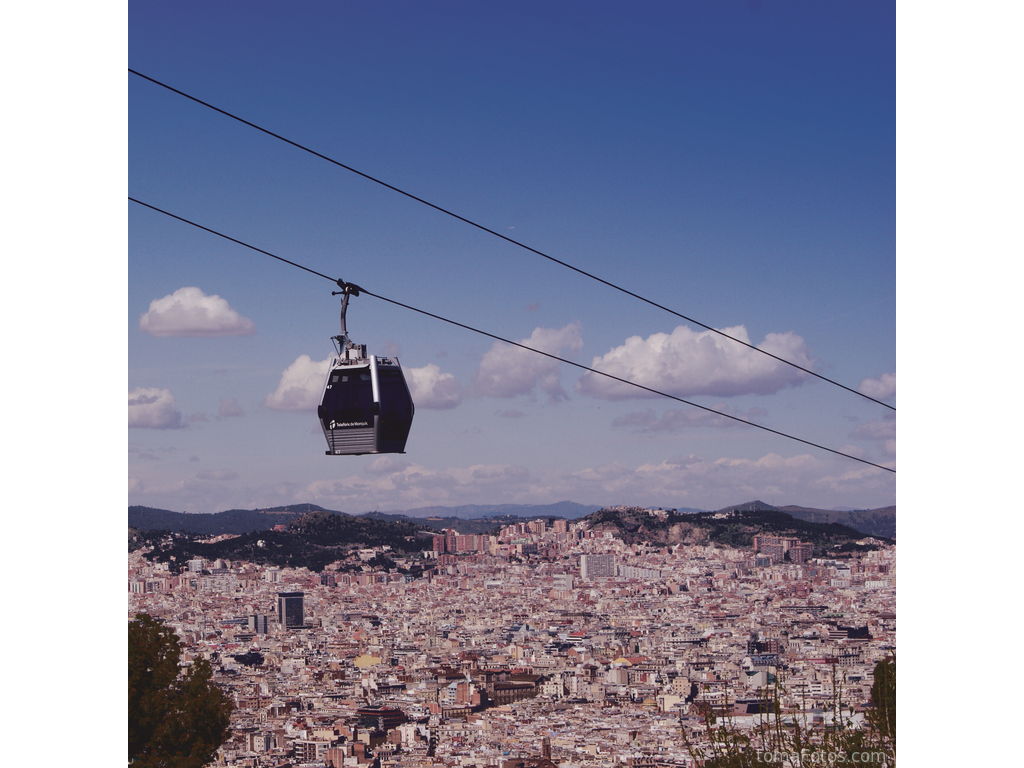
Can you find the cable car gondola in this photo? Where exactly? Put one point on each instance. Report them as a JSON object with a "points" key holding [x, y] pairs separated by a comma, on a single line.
{"points": [[366, 406]]}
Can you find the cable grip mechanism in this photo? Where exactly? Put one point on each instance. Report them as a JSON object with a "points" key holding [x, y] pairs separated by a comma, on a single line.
{"points": [[342, 342]]}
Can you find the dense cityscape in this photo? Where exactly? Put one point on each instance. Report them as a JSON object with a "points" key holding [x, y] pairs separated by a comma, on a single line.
{"points": [[548, 643]]}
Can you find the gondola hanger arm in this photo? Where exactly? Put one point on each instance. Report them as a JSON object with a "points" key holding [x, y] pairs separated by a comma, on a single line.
{"points": [[347, 291]]}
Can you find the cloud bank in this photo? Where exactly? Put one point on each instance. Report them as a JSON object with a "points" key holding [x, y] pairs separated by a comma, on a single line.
{"points": [[301, 385], [677, 481], [153, 408], [392, 483], [507, 371], [687, 363], [190, 312]]}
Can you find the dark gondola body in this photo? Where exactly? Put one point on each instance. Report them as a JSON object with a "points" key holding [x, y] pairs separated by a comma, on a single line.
{"points": [[366, 406]]}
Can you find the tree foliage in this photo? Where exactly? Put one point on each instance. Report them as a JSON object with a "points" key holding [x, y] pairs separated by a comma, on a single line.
{"points": [[250, 659], [882, 715], [790, 740], [176, 719]]}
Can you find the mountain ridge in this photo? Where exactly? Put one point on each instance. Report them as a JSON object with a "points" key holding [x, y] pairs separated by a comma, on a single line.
{"points": [[730, 527], [879, 522], [475, 518]]}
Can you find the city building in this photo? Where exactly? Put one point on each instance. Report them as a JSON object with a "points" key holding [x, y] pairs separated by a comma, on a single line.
{"points": [[289, 609], [597, 566]]}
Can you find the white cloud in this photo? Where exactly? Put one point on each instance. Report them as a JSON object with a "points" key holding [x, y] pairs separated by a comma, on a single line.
{"points": [[686, 363], [711, 484], [432, 389], [386, 464], [207, 491], [507, 371], [883, 388], [190, 312], [153, 408], [856, 481], [392, 484], [301, 385]]}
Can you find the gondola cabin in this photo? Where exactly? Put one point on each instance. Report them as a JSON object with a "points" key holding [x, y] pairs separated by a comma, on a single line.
{"points": [[366, 405]]}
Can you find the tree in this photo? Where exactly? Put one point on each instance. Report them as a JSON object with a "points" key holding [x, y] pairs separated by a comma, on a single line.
{"points": [[176, 718], [802, 743], [882, 715]]}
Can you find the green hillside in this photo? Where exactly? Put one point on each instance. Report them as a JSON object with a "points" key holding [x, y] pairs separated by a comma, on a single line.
{"points": [[313, 541], [732, 528]]}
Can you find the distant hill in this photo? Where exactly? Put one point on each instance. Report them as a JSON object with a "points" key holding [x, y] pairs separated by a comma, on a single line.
{"points": [[312, 540], [733, 527], [466, 519], [464, 526], [230, 521], [874, 522], [314, 537], [567, 509], [470, 519], [879, 522]]}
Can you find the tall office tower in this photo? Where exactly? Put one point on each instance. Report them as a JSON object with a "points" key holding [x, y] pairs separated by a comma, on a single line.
{"points": [[258, 624], [596, 566], [289, 609]]}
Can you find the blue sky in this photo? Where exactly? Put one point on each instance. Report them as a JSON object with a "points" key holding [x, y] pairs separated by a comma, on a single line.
{"points": [[733, 161]]}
